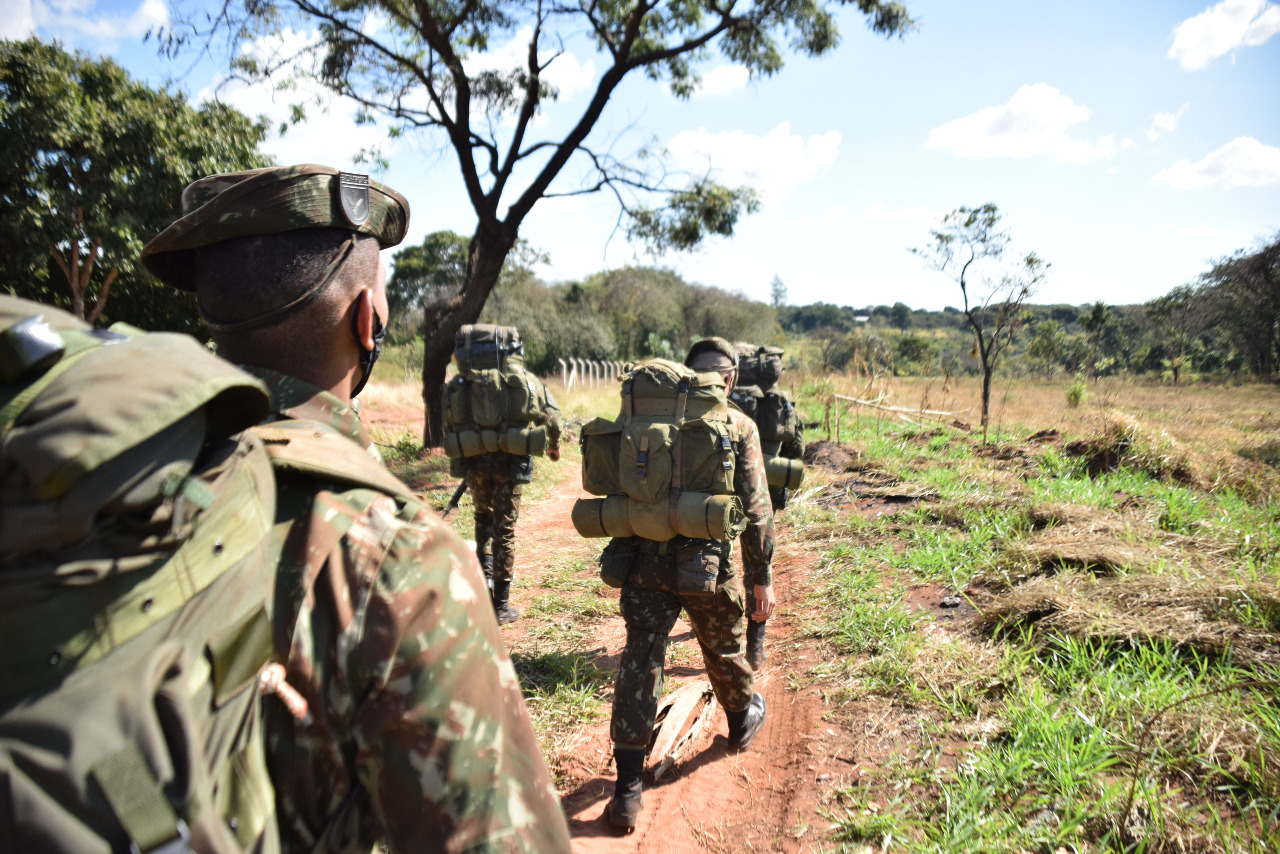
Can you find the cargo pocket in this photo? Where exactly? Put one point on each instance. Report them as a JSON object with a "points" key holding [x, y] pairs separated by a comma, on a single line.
{"points": [[522, 469], [617, 560], [601, 440], [697, 568]]}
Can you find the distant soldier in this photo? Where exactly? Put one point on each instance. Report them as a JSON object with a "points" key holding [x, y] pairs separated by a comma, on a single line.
{"points": [[781, 439], [399, 719], [679, 470], [498, 416]]}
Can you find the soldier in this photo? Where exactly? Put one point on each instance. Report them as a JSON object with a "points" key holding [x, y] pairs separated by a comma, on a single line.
{"points": [[650, 606], [399, 720], [497, 479]]}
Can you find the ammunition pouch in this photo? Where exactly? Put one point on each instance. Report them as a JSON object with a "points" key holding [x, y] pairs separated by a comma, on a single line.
{"points": [[697, 568], [617, 561]]}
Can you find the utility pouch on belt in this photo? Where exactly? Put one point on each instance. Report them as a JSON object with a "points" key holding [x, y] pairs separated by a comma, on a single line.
{"points": [[697, 568], [617, 560], [522, 469], [457, 467]]}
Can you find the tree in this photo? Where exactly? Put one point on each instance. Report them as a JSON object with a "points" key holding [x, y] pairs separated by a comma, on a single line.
{"points": [[969, 237], [1177, 319], [900, 316], [414, 63], [1048, 346], [777, 293], [91, 167], [1242, 293]]}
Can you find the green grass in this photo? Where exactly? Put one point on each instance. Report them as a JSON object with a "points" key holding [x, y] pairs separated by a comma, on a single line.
{"points": [[1073, 722], [563, 690]]}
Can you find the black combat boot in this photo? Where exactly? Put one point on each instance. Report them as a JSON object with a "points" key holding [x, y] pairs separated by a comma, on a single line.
{"points": [[486, 563], [744, 725], [756, 656], [624, 809], [504, 612]]}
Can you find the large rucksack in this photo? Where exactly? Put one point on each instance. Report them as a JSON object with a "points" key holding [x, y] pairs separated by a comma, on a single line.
{"points": [[665, 466], [136, 581], [759, 366], [781, 431], [490, 406]]}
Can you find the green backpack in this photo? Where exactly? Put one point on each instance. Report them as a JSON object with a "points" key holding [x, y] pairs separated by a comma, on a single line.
{"points": [[665, 466], [490, 406], [781, 431], [136, 580]]}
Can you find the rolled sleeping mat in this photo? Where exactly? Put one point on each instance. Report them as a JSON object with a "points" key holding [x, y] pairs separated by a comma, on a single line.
{"points": [[470, 443], [698, 516], [523, 441], [783, 473]]}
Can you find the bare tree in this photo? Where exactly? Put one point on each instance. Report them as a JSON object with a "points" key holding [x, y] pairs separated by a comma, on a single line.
{"points": [[412, 61], [964, 247]]}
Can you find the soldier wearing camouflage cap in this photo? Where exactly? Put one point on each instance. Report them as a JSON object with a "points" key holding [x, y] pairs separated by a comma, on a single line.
{"points": [[400, 719]]}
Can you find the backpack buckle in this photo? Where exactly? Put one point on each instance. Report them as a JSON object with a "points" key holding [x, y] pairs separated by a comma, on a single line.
{"points": [[642, 464]]}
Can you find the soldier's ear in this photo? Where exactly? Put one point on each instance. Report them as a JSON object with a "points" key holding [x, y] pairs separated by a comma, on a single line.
{"points": [[364, 314]]}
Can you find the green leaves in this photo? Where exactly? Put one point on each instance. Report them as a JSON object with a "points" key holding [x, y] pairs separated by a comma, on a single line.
{"points": [[91, 167], [690, 215]]}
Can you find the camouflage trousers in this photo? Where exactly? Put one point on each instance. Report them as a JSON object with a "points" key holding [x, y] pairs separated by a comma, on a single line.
{"points": [[650, 606], [496, 496]]}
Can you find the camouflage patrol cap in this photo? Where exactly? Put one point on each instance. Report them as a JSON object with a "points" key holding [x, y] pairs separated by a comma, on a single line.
{"points": [[272, 201], [711, 354]]}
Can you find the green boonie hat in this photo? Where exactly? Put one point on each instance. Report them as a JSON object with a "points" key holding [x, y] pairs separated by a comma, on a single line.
{"points": [[271, 201], [703, 351]]}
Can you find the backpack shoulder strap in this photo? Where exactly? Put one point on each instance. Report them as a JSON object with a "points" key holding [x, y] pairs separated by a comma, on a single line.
{"points": [[316, 449]]}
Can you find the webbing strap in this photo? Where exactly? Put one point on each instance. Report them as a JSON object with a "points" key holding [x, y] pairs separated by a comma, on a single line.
{"points": [[677, 454], [137, 800]]}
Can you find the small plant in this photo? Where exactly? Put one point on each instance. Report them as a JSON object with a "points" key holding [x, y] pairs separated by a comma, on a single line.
{"points": [[1077, 391]]}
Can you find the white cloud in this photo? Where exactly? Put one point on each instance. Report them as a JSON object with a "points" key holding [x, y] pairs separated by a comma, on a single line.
{"points": [[1034, 122], [879, 212], [1195, 231], [77, 16], [1222, 29], [797, 223], [329, 135], [772, 164], [1243, 162], [1164, 123], [836, 211], [565, 72], [18, 20], [723, 79]]}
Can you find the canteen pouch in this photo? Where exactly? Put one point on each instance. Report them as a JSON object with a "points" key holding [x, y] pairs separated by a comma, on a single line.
{"points": [[697, 568], [457, 467], [522, 469], [617, 560]]}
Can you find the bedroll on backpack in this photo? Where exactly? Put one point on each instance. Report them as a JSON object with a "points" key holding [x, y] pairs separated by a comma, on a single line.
{"points": [[136, 578], [490, 406], [665, 466]]}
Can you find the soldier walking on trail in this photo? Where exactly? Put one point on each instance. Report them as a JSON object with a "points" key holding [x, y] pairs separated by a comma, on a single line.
{"points": [[781, 439], [498, 416], [661, 574], [398, 719]]}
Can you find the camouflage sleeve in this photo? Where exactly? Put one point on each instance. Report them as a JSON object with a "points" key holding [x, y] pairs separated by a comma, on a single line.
{"points": [[414, 698], [550, 418], [751, 486]]}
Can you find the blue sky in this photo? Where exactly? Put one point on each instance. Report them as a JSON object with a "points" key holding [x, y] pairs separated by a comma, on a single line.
{"points": [[1129, 144]]}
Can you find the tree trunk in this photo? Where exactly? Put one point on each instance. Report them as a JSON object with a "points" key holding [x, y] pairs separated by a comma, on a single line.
{"points": [[490, 246]]}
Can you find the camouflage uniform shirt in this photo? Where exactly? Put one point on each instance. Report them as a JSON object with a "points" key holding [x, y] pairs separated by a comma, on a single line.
{"points": [[415, 732]]}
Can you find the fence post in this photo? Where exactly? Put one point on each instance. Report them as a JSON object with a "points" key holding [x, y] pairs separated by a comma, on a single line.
{"points": [[564, 373]]}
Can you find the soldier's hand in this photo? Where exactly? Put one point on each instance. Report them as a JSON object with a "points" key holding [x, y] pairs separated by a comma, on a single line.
{"points": [[764, 603], [553, 454]]}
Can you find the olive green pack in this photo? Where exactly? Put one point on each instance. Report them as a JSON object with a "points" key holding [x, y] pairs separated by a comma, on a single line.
{"points": [[136, 580], [781, 431], [490, 406], [665, 466]]}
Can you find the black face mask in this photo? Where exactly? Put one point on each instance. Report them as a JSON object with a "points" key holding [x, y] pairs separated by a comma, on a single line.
{"points": [[367, 357]]}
